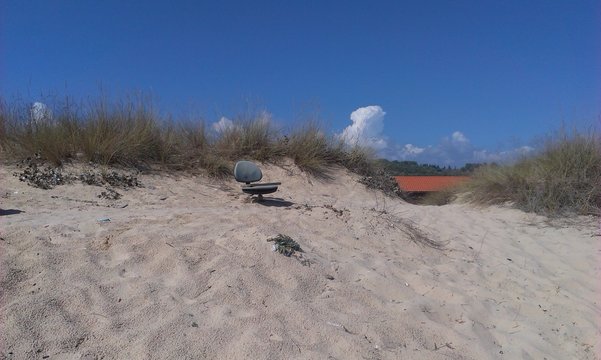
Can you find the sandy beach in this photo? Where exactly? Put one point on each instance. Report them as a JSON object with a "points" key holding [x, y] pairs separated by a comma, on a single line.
{"points": [[181, 269]]}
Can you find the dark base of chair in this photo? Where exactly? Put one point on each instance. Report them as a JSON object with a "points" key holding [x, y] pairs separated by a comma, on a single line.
{"points": [[260, 190]]}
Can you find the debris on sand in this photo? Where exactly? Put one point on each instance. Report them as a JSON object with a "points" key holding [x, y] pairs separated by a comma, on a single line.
{"points": [[43, 178], [91, 178], [381, 180], [48, 177], [109, 194], [115, 179], [112, 178]]}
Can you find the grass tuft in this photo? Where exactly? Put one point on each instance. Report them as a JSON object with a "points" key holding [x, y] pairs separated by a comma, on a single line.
{"points": [[311, 149], [127, 133], [253, 138], [565, 177], [22, 136], [438, 198]]}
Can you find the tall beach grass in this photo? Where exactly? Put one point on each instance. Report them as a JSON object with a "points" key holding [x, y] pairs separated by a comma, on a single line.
{"points": [[132, 133], [564, 177]]}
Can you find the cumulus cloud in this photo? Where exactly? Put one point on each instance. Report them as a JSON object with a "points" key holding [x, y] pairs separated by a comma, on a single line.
{"points": [[222, 125], [456, 149], [366, 128]]}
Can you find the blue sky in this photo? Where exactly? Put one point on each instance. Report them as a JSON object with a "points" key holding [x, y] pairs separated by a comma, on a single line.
{"points": [[440, 81]]}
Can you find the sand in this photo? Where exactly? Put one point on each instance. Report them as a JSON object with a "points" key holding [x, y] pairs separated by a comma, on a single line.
{"points": [[183, 270]]}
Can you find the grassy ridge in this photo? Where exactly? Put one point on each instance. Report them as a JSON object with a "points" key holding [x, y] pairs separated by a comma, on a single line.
{"points": [[564, 177], [132, 133]]}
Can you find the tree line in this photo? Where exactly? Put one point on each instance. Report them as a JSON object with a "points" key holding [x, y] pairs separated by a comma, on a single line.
{"points": [[396, 167]]}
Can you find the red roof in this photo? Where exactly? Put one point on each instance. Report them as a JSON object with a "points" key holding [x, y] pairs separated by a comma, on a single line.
{"points": [[428, 183]]}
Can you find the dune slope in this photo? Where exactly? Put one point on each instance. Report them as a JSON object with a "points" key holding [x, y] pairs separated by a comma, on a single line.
{"points": [[183, 270]]}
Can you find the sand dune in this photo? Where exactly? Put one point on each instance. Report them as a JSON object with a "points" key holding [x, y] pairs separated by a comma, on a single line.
{"points": [[183, 271]]}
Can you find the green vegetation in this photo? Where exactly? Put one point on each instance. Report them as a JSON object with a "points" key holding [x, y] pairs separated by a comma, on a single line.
{"points": [[564, 177], [413, 168], [285, 245]]}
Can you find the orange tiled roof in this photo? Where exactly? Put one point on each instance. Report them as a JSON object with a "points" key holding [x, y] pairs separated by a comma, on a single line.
{"points": [[428, 183]]}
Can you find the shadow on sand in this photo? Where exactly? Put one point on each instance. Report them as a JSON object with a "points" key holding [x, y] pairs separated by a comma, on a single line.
{"points": [[5, 212], [275, 202]]}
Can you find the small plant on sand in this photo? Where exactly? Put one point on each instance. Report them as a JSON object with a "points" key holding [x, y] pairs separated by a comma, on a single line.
{"points": [[285, 245]]}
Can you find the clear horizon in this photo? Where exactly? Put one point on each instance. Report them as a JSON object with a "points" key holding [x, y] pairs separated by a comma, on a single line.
{"points": [[439, 83]]}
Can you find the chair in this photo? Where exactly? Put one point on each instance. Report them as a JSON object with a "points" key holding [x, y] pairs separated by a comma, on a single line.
{"points": [[249, 173]]}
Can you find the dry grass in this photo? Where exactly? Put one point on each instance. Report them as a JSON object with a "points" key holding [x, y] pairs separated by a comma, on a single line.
{"points": [[22, 137], [565, 177], [127, 133], [251, 137], [438, 198], [358, 159], [312, 150], [132, 133]]}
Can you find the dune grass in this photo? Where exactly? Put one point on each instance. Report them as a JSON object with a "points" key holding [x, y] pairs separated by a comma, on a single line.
{"points": [[19, 138], [563, 178], [132, 133], [438, 198], [254, 137], [312, 150], [125, 133]]}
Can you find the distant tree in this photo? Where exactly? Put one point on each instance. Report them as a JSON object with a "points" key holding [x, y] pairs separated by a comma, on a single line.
{"points": [[396, 167]]}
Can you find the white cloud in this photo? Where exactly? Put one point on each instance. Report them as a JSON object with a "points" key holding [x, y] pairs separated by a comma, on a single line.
{"points": [[454, 150], [366, 129], [502, 156], [523, 150], [403, 152], [223, 124], [40, 113], [412, 149], [459, 138]]}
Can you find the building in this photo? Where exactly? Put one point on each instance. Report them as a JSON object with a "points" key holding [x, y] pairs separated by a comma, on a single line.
{"points": [[419, 185]]}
